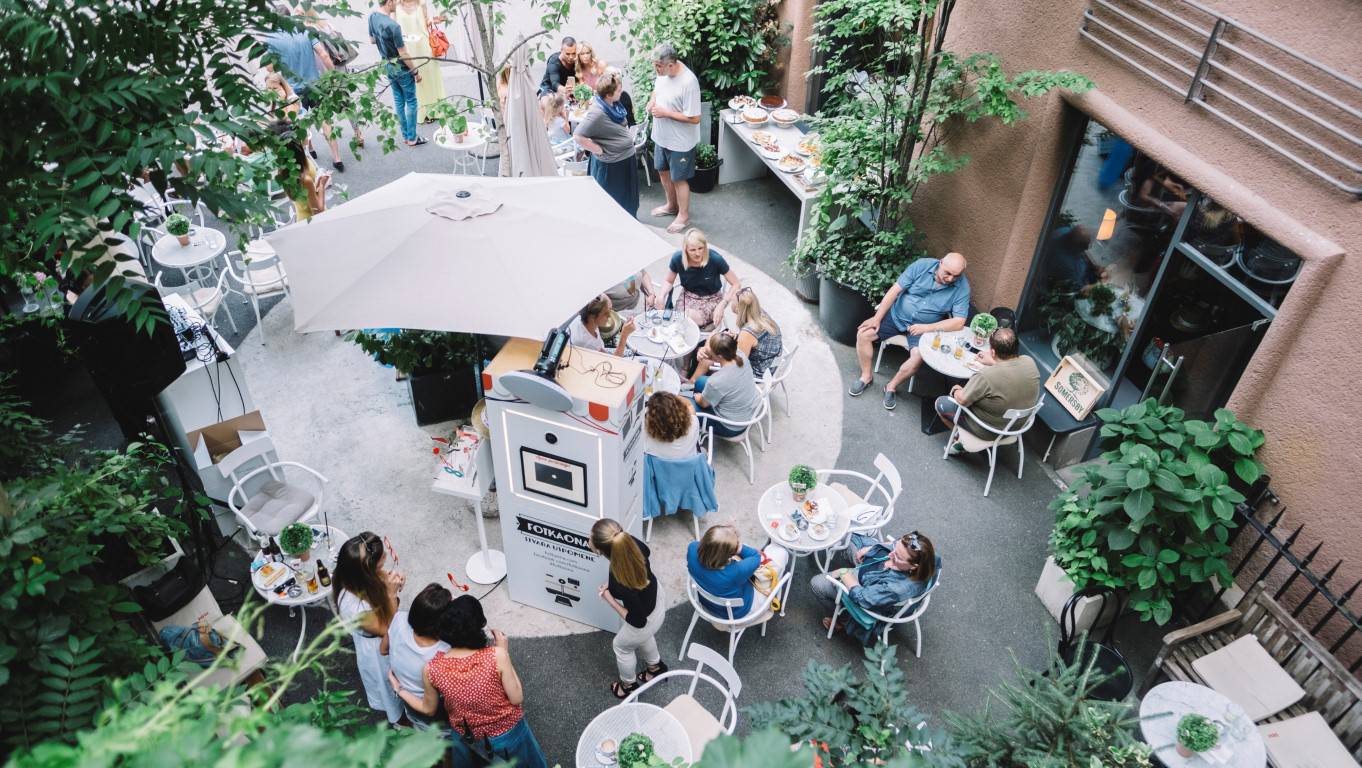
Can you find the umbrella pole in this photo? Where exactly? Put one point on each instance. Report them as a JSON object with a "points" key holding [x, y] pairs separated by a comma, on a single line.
{"points": [[477, 364]]}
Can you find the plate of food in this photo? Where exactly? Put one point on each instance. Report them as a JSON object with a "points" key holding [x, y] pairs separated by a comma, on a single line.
{"points": [[741, 102], [788, 532], [772, 102], [791, 163], [819, 532], [271, 574], [762, 137], [771, 150], [814, 513], [755, 116], [808, 145], [785, 117]]}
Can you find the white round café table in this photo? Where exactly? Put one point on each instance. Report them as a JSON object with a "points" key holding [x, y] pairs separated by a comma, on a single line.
{"points": [[1241, 744], [205, 245], [653, 335], [669, 736], [326, 544], [470, 154], [666, 379], [775, 506], [945, 362]]}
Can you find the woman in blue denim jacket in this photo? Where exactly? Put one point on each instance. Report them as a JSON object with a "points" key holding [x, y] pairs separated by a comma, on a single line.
{"points": [[886, 574]]}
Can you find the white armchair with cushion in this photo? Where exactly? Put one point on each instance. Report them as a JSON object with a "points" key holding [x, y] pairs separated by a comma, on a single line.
{"points": [[908, 613], [764, 608], [870, 511], [1019, 420], [701, 725], [272, 496], [244, 656]]}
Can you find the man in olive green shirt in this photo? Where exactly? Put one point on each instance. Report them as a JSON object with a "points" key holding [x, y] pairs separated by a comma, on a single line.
{"points": [[1008, 380]]}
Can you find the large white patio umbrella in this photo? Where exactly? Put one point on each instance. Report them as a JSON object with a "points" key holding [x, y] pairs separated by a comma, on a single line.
{"points": [[392, 258], [531, 154]]}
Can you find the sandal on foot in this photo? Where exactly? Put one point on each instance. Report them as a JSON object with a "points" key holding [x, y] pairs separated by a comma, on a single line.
{"points": [[663, 210], [827, 623], [651, 671], [621, 690], [677, 226]]}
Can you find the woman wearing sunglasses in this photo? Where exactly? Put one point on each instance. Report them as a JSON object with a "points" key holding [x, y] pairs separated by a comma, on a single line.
{"points": [[366, 595], [884, 574]]}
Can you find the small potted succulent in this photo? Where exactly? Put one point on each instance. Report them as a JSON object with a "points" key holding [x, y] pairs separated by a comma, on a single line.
{"points": [[459, 127], [1196, 733], [803, 478], [635, 751], [582, 93], [177, 224], [296, 540], [982, 325]]}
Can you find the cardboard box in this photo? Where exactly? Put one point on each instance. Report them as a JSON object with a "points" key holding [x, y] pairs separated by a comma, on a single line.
{"points": [[211, 443]]}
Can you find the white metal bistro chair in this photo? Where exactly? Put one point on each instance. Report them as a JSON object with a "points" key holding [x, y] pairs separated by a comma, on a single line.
{"points": [[762, 611], [640, 132], [871, 511], [258, 274], [207, 297], [700, 724], [743, 438], [265, 505], [900, 341], [1019, 420], [774, 377], [908, 613], [243, 655]]}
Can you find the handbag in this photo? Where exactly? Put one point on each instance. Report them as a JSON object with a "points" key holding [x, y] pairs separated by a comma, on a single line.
{"points": [[439, 44], [340, 50]]}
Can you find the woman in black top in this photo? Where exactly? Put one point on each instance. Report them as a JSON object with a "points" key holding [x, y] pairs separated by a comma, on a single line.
{"points": [[636, 596], [702, 273]]}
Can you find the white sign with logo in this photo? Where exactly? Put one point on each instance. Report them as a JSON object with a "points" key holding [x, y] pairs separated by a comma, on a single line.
{"points": [[1077, 389]]}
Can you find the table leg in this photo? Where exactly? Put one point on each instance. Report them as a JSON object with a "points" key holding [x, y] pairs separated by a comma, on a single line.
{"points": [[803, 221], [302, 632], [487, 566], [931, 424], [740, 161]]}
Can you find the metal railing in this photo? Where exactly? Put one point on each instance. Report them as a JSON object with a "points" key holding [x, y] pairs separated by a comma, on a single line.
{"points": [[1304, 111], [1263, 555]]}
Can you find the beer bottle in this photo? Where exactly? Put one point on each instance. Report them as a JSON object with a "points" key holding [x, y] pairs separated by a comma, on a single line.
{"points": [[273, 552], [322, 575]]}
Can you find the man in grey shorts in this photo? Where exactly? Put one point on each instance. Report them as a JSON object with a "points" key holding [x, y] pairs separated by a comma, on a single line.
{"points": [[675, 107]]}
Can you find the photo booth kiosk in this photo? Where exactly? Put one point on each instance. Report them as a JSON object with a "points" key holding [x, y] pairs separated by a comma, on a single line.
{"points": [[567, 451]]}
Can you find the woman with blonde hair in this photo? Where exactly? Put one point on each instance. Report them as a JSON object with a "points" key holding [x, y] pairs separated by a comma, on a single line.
{"points": [[553, 108], [723, 566], [589, 68], [758, 335], [411, 15], [702, 272], [634, 593]]}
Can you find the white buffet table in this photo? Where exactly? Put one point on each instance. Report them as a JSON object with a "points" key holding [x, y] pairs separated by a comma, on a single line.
{"points": [[742, 160]]}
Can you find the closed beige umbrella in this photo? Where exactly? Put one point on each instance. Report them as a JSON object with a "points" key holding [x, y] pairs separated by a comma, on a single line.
{"points": [[531, 154]]}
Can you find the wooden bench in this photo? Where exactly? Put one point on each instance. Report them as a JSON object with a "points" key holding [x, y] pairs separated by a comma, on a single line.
{"points": [[1329, 688]]}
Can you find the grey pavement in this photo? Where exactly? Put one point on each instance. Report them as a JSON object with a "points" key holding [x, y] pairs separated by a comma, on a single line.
{"points": [[992, 548]]}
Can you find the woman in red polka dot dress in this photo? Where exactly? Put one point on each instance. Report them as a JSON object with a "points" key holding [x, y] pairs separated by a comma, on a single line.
{"points": [[481, 691]]}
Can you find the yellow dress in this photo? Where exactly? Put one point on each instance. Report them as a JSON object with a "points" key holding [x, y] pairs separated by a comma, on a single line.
{"points": [[431, 89]]}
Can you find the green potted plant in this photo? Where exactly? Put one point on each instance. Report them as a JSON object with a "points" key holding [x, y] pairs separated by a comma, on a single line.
{"points": [[582, 93], [177, 224], [1153, 517], [635, 751], [707, 164], [1196, 733], [802, 479], [439, 368], [982, 325], [296, 540], [459, 127]]}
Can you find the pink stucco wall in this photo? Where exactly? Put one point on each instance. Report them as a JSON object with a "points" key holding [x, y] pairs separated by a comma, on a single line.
{"points": [[1304, 386]]}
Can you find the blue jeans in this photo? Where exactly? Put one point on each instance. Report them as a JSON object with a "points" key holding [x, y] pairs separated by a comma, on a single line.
{"points": [[517, 744], [404, 102]]}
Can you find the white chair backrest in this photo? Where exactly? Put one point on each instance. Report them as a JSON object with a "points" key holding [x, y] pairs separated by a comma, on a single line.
{"points": [[914, 608], [708, 657], [255, 450], [889, 473], [1027, 414], [698, 593], [781, 368]]}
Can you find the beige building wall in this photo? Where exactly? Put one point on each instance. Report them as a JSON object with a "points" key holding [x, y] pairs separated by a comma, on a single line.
{"points": [[1304, 385], [796, 20]]}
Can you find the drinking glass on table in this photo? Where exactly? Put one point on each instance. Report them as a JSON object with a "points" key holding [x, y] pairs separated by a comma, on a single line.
{"points": [[936, 341], [959, 351]]}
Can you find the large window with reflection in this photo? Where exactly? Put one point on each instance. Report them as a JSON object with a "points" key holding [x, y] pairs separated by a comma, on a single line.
{"points": [[1155, 287]]}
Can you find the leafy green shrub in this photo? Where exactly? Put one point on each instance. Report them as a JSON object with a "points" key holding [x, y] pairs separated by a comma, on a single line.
{"points": [[411, 351], [1197, 733], [1155, 518], [706, 156], [1059, 315]]}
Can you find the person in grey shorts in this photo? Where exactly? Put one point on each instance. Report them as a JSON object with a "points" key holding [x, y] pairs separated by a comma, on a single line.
{"points": [[675, 107]]}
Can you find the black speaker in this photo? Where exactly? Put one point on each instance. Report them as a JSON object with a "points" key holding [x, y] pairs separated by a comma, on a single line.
{"points": [[130, 367]]}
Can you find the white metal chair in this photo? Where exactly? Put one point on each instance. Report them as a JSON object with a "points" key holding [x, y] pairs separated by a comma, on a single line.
{"points": [[244, 656], [761, 612], [775, 377], [870, 512], [742, 438], [208, 297], [1019, 420], [265, 505], [701, 726], [640, 143], [900, 341], [908, 613], [258, 274]]}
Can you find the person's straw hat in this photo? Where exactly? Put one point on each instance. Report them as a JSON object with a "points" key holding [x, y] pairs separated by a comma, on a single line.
{"points": [[611, 326]]}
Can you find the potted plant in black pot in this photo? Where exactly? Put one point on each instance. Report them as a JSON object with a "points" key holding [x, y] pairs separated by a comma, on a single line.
{"points": [[439, 368], [707, 162]]}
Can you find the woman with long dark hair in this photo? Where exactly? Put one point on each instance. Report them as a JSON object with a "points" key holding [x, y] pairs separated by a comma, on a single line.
{"points": [[634, 593], [481, 691], [366, 596]]}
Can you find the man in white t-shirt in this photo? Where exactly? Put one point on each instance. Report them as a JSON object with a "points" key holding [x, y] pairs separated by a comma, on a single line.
{"points": [[675, 107]]}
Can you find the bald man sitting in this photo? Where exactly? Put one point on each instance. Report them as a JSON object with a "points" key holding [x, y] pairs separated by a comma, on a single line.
{"points": [[930, 295]]}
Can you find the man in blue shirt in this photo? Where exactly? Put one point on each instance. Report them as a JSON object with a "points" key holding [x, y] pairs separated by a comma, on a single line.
{"points": [[402, 75], [930, 295], [301, 60]]}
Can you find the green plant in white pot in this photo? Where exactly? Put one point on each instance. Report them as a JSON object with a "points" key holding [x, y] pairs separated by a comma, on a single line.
{"points": [[802, 479], [982, 326], [1196, 734], [177, 224]]}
